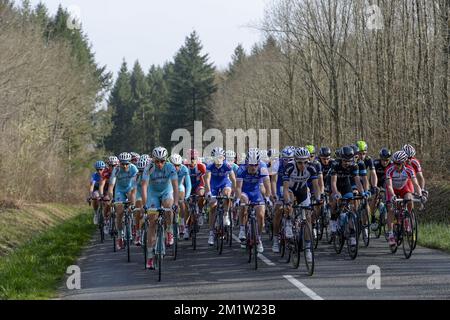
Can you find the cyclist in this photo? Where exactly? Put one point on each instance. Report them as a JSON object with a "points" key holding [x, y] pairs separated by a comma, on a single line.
{"points": [[219, 176], [159, 189], [248, 191], [230, 156], [326, 162], [184, 193], [344, 173], [380, 165], [113, 162], [135, 158], [123, 178], [141, 165], [287, 156], [318, 166], [295, 186], [197, 171], [401, 182], [94, 193], [415, 164]]}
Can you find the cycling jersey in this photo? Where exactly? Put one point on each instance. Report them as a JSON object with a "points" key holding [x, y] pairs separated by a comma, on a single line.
{"points": [[273, 167], [326, 172], [251, 182], [235, 167], [415, 164], [345, 176], [281, 169], [317, 165], [219, 177], [196, 173], [159, 184], [381, 173], [184, 178], [399, 179], [299, 179], [96, 178], [124, 180]]}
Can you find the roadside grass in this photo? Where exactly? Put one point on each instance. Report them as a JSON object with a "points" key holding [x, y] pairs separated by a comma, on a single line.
{"points": [[434, 236], [35, 270]]}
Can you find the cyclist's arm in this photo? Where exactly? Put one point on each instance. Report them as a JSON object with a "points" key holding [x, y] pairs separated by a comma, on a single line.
{"points": [[101, 186], [238, 191], [389, 186], [91, 187], [233, 179], [316, 183], [144, 185], [417, 187], [321, 187], [334, 184], [359, 185], [420, 179], [273, 183], [373, 177], [187, 180], [207, 182], [266, 181], [175, 190], [286, 189], [111, 188]]}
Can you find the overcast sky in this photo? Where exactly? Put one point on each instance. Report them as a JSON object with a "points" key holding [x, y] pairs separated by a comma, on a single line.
{"points": [[153, 30]]}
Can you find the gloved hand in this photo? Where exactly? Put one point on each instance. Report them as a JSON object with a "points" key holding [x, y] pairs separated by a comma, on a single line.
{"points": [[237, 202], [269, 203], [145, 208], [425, 193], [208, 195], [337, 196], [175, 208], [366, 194], [423, 199]]}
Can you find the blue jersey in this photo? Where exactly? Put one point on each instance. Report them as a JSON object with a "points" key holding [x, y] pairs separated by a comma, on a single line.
{"points": [[96, 178], [281, 169], [160, 181], [184, 178], [251, 182], [219, 176], [124, 180]]}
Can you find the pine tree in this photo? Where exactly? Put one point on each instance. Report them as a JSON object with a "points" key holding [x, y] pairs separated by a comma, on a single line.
{"points": [[237, 59], [120, 102], [191, 84]]}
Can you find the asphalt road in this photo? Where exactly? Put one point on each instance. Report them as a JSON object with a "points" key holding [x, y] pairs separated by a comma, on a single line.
{"points": [[203, 274]]}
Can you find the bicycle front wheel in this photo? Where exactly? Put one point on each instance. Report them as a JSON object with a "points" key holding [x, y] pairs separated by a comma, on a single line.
{"points": [[352, 249], [255, 242], [308, 248], [408, 235]]}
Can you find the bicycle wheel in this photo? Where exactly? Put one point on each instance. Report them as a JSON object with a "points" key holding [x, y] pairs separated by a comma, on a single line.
{"points": [[144, 246], [175, 239], [230, 230], [254, 233], [113, 231], [408, 235], [159, 251], [415, 228], [128, 236], [296, 251], [352, 250], [365, 227], [248, 241], [308, 248], [394, 247], [317, 227], [101, 223], [338, 241], [282, 246]]}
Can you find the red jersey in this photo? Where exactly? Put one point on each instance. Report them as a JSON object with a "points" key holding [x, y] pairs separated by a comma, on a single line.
{"points": [[402, 178], [196, 175], [415, 164]]}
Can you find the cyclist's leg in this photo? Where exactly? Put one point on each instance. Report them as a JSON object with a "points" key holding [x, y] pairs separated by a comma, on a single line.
{"points": [[153, 203], [227, 204], [243, 216], [167, 202], [201, 201]]}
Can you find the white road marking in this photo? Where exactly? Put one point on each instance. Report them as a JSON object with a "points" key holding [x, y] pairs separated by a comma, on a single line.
{"points": [[260, 255], [303, 288]]}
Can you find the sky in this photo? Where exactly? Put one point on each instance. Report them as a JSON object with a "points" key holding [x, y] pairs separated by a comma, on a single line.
{"points": [[152, 31]]}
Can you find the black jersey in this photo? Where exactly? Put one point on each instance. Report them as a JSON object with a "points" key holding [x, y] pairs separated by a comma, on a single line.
{"points": [[345, 176]]}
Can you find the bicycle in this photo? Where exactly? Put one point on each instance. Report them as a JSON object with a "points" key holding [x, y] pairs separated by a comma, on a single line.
{"points": [[382, 215], [221, 232], [175, 230], [405, 227], [112, 226], [127, 222], [344, 231], [252, 234], [194, 216], [363, 214], [268, 220], [322, 221], [160, 248], [144, 236]]}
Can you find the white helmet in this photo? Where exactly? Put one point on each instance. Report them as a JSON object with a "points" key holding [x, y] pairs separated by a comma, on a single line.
{"points": [[302, 154], [159, 153], [146, 156], [400, 156], [113, 161], [273, 154], [142, 163], [264, 156], [217, 152], [176, 159], [124, 157], [253, 157], [230, 155], [409, 150]]}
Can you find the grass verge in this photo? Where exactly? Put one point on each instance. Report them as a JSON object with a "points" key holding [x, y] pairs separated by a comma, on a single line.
{"points": [[36, 269], [434, 236]]}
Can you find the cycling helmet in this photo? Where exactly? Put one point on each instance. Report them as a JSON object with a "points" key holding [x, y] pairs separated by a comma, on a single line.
{"points": [[253, 157], [355, 148], [385, 154], [113, 161], [143, 163], [217, 152], [337, 153], [241, 158], [176, 159], [347, 153], [263, 154], [230, 155], [145, 156], [159, 153], [288, 152], [100, 165], [399, 157], [135, 156], [124, 157], [311, 149], [325, 152], [362, 146], [409, 150], [302, 154]]}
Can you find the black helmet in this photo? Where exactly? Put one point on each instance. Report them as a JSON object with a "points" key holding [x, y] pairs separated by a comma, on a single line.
{"points": [[337, 153], [385, 153], [355, 148], [325, 152], [347, 153]]}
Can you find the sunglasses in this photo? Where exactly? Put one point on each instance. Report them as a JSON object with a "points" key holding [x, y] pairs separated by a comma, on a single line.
{"points": [[398, 164], [301, 162], [176, 165], [325, 159], [253, 165], [347, 161], [125, 164], [160, 161]]}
